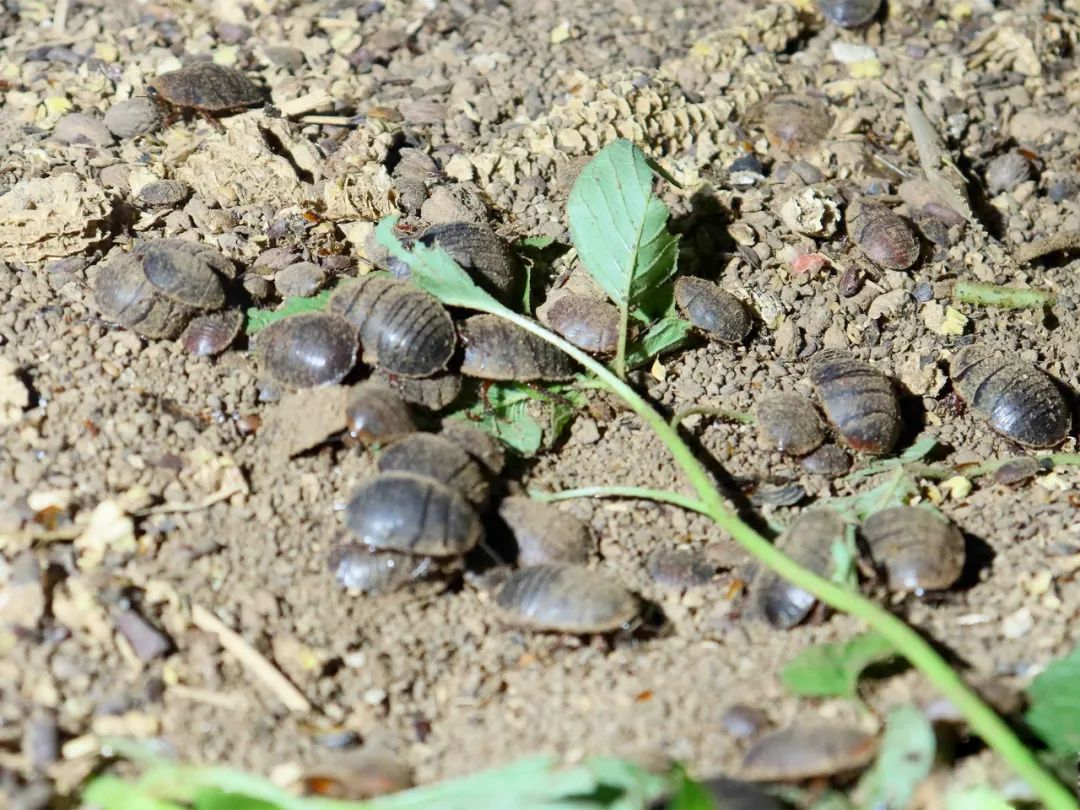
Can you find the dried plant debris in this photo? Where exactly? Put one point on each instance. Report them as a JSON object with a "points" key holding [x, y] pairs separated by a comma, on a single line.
{"points": [[52, 217]]}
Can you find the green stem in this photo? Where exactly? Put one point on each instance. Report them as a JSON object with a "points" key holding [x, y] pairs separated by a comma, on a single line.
{"points": [[980, 717], [712, 410], [644, 493], [620, 350]]}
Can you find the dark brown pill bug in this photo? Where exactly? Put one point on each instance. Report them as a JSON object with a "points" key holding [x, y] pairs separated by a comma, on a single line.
{"points": [[828, 460], [882, 235], [744, 722], [713, 310], [591, 324], [163, 194], [403, 330], [849, 13], [160, 285], [1018, 471], [915, 548], [308, 349], [439, 458], [850, 282], [809, 541], [789, 422], [359, 568], [679, 568], [398, 511], [376, 414], [205, 86], [488, 451], [1018, 400], [858, 399], [566, 599], [207, 335], [795, 124], [496, 349], [807, 751], [485, 256], [544, 533], [432, 393]]}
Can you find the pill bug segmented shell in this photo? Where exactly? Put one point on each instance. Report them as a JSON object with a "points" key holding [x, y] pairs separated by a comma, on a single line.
{"points": [[1018, 400], [163, 194], [789, 422], [206, 86], [719, 313], [489, 452], [544, 533], [432, 393], [882, 235], [916, 549], [359, 568], [591, 324], [398, 511], [858, 399], [806, 751], [565, 598], [439, 458], [207, 335], [307, 349], [850, 13], [402, 329], [485, 256], [376, 414], [809, 541], [496, 349]]}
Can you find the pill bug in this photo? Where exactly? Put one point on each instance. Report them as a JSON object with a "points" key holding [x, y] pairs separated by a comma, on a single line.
{"points": [[915, 548], [806, 751], [438, 458], [715, 311], [565, 598], [496, 349], [859, 400], [789, 422], [544, 533], [882, 235], [376, 414], [591, 324], [307, 349]]}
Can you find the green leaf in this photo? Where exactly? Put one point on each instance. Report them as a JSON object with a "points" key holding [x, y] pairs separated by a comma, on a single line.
{"points": [[904, 761], [688, 794], [1054, 704], [536, 243], [845, 559], [665, 335], [619, 226], [434, 270], [110, 793], [214, 799], [832, 670], [259, 319], [977, 797], [919, 451]]}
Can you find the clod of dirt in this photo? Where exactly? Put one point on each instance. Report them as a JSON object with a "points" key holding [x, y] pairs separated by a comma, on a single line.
{"points": [[133, 116], [79, 129], [52, 217]]}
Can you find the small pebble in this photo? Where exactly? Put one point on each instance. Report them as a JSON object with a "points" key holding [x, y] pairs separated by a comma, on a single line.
{"points": [[299, 280], [923, 292], [163, 194], [1006, 172], [79, 129], [146, 640], [133, 116], [285, 56]]}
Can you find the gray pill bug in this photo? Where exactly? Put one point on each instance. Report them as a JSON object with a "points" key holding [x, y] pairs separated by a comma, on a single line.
{"points": [[157, 288], [496, 349], [807, 751], [403, 330], [163, 194], [488, 451], [715, 311], [307, 350], [789, 422], [485, 256], [376, 414], [859, 400], [401, 511], [591, 324], [917, 549], [565, 598], [544, 533], [1017, 400], [433, 393], [438, 458], [882, 235], [359, 568], [809, 541]]}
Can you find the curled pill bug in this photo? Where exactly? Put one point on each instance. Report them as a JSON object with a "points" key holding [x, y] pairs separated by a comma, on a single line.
{"points": [[565, 598], [544, 533], [376, 414], [496, 349], [885, 238], [437, 457], [858, 400], [403, 329], [399, 511], [917, 549], [591, 324], [809, 541], [807, 751], [1017, 400], [789, 423], [307, 350], [715, 311]]}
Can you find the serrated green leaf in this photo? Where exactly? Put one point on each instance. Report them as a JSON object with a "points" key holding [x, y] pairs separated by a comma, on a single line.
{"points": [[977, 797], [1054, 704], [619, 226], [259, 319], [904, 760], [832, 670], [665, 335], [433, 270]]}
